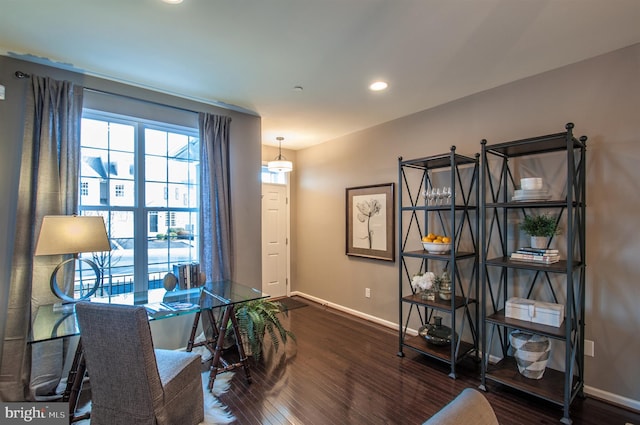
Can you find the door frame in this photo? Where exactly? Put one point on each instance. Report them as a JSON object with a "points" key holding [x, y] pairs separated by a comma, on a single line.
{"points": [[287, 186]]}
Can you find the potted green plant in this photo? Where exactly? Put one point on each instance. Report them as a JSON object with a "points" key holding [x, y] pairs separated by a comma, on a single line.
{"points": [[255, 320], [540, 228]]}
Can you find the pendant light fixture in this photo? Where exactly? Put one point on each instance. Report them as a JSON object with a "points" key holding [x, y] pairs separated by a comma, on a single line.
{"points": [[280, 163]]}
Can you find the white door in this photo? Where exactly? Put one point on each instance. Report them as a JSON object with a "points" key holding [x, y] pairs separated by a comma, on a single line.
{"points": [[274, 240]]}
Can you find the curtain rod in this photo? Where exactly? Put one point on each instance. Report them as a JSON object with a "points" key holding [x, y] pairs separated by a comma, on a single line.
{"points": [[22, 75]]}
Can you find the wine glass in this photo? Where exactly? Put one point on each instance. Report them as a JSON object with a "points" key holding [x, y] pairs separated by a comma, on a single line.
{"points": [[438, 197], [446, 193], [432, 196], [426, 194]]}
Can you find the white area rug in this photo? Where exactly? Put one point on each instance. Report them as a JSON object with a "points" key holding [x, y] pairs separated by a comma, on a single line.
{"points": [[214, 411]]}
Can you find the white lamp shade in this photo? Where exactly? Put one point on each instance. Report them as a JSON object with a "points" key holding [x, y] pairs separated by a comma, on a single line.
{"points": [[69, 234], [280, 166]]}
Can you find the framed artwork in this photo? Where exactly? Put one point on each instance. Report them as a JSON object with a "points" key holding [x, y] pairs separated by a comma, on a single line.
{"points": [[371, 221]]}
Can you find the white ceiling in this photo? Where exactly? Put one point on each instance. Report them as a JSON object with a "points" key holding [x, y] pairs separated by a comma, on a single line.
{"points": [[252, 53]]}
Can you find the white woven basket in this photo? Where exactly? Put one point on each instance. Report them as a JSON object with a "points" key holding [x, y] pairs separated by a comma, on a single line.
{"points": [[531, 353]]}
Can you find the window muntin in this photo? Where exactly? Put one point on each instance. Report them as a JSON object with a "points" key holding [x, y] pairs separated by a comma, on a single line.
{"points": [[142, 178]]}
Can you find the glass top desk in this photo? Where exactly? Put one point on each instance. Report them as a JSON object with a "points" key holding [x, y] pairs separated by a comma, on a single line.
{"points": [[52, 322]]}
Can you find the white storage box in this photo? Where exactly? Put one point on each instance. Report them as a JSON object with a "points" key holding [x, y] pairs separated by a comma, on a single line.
{"points": [[535, 311]]}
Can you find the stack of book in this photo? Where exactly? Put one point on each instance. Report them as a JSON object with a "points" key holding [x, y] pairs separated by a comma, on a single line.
{"points": [[535, 255], [188, 275]]}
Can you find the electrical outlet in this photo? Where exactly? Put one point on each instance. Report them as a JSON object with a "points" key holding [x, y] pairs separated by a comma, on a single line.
{"points": [[589, 348], [367, 292]]}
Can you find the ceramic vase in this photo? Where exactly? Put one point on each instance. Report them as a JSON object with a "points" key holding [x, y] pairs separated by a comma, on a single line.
{"points": [[437, 333], [539, 242]]}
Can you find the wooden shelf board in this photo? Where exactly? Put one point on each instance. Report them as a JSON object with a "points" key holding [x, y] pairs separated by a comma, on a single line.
{"points": [[559, 267], [552, 203], [534, 145], [445, 257], [441, 352], [438, 304], [437, 161], [550, 387], [443, 208]]}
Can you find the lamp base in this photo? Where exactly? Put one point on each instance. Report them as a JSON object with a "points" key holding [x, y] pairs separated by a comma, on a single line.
{"points": [[63, 307], [60, 292]]}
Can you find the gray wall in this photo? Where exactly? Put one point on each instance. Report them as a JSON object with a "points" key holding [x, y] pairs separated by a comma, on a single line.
{"points": [[245, 163], [601, 96]]}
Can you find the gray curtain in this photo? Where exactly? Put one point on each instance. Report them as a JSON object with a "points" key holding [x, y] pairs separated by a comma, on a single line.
{"points": [[216, 250], [48, 185]]}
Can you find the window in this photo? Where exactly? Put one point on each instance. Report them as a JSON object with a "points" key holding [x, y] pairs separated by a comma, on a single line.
{"points": [[273, 177], [128, 167]]}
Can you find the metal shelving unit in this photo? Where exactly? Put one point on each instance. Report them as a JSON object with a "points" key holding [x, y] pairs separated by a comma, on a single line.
{"points": [[562, 282], [458, 220]]}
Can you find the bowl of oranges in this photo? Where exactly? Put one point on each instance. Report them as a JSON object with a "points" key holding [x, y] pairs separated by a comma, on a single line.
{"points": [[436, 244]]}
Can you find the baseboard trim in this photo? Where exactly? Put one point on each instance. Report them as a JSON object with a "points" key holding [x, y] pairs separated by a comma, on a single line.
{"points": [[616, 399], [591, 391], [351, 311]]}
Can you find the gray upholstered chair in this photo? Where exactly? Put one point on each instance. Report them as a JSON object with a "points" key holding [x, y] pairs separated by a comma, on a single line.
{"points": [[131, 383], [470, 407]]}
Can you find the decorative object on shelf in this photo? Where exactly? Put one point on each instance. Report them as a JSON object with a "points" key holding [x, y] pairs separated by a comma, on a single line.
{"points": [[536, 255], [540, 228], [531, 352], [520, 195], [437, 248], [539, 241], [433, 196], [73, 234], [531, 189], [437, 333], [425, 284], [531, 183], [540, 312], [436, 244], [371, 221], [444, 286], [280, 164]]}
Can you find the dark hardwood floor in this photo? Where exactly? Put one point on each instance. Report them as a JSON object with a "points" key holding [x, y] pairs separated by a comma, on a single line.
{"points": [[344, 370]]}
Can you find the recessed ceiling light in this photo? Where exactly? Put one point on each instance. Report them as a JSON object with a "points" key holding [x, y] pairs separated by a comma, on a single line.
{"points": [[378, 85], [173, 1]]}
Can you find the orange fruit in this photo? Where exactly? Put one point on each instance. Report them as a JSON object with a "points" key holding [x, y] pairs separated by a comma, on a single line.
{"points": [[446, 240]]}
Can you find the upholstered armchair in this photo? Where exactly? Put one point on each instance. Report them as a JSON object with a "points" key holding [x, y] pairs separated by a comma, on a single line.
{"points": [[470, 407], [131, 382]]}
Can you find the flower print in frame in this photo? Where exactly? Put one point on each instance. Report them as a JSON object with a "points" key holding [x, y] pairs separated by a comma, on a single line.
{"points": [[371, 221]]}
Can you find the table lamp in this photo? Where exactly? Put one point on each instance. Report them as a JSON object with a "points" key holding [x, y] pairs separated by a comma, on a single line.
{"points": [[72, 234]]}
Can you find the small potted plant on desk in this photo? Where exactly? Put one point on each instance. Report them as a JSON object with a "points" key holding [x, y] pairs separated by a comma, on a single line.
{"points": [[255, 320], [540, 228]]}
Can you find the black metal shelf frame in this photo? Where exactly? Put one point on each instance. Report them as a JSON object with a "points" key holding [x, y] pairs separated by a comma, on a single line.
{"points": [[568, 275], [459, 220]]}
